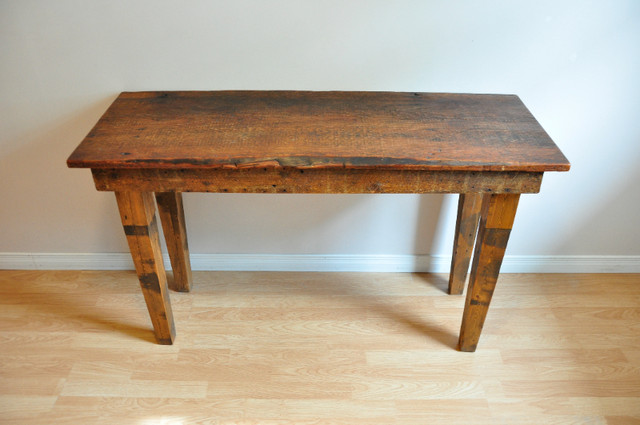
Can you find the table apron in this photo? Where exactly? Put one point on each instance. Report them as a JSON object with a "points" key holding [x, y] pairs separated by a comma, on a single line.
{"points": [[325, 180]]}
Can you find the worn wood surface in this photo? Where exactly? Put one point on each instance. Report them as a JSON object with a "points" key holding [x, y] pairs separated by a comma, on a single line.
{"points": [[137, 211], [317, 349], [497, 215], [465, 235], [290, 180], [174, 227], [314, 142], [247, 129]]}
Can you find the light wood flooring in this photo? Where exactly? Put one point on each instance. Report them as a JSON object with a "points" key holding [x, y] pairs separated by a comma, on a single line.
{"points": [[76, 347]]}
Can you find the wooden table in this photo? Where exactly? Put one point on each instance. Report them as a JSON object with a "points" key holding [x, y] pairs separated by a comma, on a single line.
{"points": [[487, 148]]}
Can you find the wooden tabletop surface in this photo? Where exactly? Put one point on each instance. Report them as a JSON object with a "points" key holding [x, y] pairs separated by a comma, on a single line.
{"points": [[431, 131]]}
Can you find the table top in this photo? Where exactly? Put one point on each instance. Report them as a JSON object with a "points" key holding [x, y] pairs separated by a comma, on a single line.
{"points": [[303, 129]]}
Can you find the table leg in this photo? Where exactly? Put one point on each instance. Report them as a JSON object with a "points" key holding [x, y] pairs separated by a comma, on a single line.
{"points": [[137, 211], [175, 234], [497, 215], [466, 227]]}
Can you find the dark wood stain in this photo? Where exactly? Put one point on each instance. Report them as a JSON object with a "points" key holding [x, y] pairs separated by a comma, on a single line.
{"points": [[134, 230], [150, 282], [274, 129]]}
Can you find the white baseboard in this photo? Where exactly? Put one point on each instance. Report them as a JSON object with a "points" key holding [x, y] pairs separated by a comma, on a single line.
{"points": [[326, 263]]}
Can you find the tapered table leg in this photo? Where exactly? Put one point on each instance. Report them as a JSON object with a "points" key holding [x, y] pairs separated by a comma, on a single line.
{"points": [[175, 234], [497, 215], [466, 227], [137, 211]]}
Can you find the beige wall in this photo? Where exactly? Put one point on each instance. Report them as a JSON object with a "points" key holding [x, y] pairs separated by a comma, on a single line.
{"points": [[574, 63]]}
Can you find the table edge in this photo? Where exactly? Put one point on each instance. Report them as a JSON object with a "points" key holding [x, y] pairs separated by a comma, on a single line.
{"points": [[305, 163]]}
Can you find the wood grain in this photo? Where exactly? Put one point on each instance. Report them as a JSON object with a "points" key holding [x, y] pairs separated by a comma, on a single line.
{"points": [[246, 355], [465, 235], [254, 129], [137, 212], [497, 215], [174, 227], [291, 180]]}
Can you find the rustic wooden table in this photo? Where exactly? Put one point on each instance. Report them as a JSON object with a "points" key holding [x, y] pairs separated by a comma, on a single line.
{"points": [[487, 148]]}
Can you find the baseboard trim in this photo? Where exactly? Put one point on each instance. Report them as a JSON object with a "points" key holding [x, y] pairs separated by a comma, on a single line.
{"points": [[326, 263]]}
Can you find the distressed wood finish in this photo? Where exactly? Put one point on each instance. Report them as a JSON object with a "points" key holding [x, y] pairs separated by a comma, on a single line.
{"points": [[175, 233], [291, 180], [469, 205], [137, 211], [244, 129], [498, 213], [317, 142]]}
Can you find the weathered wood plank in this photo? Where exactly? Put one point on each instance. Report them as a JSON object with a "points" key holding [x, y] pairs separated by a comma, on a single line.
{"points": [[498, 213], [380, 130], [175, 232], [291, 180], [137, 211], [466, 228]]}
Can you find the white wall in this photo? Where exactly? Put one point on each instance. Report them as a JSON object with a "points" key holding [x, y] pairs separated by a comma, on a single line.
{"points": [[574, 63]]}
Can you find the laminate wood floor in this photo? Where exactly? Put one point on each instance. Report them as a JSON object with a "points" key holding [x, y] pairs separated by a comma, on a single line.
{"points": [[76, 347]]}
